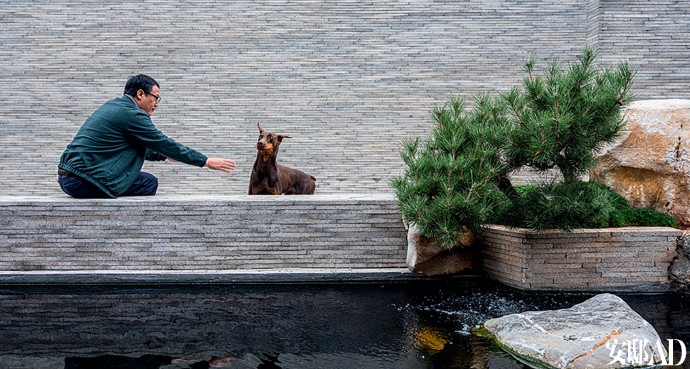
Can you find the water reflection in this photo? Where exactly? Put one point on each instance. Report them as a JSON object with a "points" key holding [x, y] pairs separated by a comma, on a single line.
{"points": [[410, 326], [163, 361], [117, 361]]}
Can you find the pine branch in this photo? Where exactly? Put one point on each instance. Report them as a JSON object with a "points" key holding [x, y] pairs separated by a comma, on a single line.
{"points": [[517, 115]]}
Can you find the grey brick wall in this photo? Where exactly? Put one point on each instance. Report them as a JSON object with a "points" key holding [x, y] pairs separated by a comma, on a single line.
{"points": [[201, 234], [625, 258], [652, 36], [348, 80]]}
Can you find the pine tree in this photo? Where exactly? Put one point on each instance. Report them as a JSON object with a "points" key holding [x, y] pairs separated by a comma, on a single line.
{"points": [[561, 119], [450, 183], [457, 178]]}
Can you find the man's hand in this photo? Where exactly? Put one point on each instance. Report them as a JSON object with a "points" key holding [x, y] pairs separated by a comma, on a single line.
{"points": [[221, 164]]}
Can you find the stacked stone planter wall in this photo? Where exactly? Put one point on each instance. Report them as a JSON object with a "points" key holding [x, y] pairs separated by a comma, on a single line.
{"points": [[589, 259], [199, 239]]}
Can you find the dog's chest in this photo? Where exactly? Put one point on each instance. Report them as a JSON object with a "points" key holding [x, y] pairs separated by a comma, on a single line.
{"points": [[265, 185], [266, 188]]}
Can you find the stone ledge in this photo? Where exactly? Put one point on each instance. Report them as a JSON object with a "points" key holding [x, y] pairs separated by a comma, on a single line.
{"points": [[295, 239], [247, 276], [6, 200], [200, 233]]}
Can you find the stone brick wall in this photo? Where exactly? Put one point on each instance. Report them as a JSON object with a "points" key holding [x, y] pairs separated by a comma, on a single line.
{"points": [[348, 80], [201, 234], [651, 36], [614, 258]]}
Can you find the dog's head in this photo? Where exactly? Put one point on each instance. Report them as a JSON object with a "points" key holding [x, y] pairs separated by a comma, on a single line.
{"points": [[268, 141]]}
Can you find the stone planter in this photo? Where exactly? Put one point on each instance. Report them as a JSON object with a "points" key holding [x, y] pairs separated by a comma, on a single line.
{"points": [[632, 258]]}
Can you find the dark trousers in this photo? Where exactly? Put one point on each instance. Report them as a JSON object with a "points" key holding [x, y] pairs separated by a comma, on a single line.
{"points": [[146, 184]]}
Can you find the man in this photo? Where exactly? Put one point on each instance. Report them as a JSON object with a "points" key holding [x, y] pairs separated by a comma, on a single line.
{"points": [[105, 157]]}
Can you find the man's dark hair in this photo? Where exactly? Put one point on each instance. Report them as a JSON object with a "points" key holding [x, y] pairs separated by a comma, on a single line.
{"points": [[140, 81]]}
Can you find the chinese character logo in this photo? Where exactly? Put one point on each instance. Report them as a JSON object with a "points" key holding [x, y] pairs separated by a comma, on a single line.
{"points": [[640, 352]]}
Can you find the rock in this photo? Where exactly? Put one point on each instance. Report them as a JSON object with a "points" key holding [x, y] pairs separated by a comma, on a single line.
{"points": [[430, 340], [425, 255], [583, 336], [684, 243], [679, 272], [649, 164]]}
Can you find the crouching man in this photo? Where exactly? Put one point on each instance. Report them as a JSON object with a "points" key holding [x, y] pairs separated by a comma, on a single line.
{"points": [[106, 156]]}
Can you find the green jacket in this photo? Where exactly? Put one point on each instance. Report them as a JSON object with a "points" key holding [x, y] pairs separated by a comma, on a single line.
{"points": [[110, 148]]}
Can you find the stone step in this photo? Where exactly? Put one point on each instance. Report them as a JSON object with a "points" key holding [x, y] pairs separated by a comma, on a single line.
{"points": [[197, 234]]}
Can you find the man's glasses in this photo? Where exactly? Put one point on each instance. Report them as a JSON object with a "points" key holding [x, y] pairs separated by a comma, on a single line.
{"points": [[157, 97]]}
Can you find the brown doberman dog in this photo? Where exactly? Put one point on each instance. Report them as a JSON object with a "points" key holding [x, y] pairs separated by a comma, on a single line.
{"points": [[269, 177]]}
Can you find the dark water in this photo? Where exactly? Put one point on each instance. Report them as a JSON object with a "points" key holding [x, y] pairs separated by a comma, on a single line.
{"points": [[365, 326]]}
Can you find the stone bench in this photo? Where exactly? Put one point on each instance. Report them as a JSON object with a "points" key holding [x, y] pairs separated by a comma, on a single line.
{"points": [[197, 239]]}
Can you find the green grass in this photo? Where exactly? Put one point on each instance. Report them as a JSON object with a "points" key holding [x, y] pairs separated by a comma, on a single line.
{"points": [[573, 205]]}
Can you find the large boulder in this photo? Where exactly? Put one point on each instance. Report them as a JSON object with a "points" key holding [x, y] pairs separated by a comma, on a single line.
{"points": [[592, 334], [649, 164]]}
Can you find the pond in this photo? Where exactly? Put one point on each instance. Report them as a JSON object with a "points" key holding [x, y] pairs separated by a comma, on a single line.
{"points": [[410, 325]]}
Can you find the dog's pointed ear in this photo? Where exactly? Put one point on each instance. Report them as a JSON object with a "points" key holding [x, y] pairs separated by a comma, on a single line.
{"points": [[281, 137], [261, 131]]}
